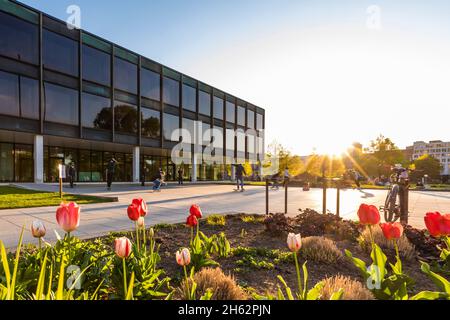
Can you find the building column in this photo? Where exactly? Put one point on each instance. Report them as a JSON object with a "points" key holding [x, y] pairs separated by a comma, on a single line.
{"points": [[136, 164], [197, 149], [38, 156]]}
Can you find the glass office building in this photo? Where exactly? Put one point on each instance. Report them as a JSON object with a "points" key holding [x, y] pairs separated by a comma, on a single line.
{"points": [[68, 96]]}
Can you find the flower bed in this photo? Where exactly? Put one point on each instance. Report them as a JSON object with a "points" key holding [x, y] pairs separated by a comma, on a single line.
{"points": [[233, 257]]}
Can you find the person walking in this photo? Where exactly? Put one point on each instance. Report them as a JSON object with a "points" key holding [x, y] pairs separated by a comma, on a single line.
{"points": [[240, 172], [180, 175], [110, 170], [157, 181], [71, 174]]}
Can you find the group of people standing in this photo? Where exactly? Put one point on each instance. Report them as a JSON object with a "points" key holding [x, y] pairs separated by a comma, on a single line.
{"points": [[159, 176]]}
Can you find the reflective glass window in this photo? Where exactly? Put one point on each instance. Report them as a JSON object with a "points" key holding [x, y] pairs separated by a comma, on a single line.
{"points": [[204, 103], [259, 121], [9, 94], [189, 98], [61, 104], [241, 116], [231, 112], [19, 39], [125, 118], [170, 124], [171, 91], [218, 108], [96, 112], [251, 119], [96, 66], [125, 75], [230, 139], [150, 84], [151, 125], [60, 53]]}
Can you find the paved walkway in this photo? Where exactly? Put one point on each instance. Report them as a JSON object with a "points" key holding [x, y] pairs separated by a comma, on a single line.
{"points": [[172, 204]]}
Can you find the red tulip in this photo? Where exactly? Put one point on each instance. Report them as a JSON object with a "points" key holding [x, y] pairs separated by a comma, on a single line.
{"points": [[68, 216], [438, 225], [368, 215], [196, 211], [192, 221], [122, 247], [392, 231], [137, 208]]}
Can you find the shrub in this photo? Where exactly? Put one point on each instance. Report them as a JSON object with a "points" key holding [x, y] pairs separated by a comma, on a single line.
{"points": [[406, 249], [216, 220], [223, 287], [320, 249], [353, 290]]}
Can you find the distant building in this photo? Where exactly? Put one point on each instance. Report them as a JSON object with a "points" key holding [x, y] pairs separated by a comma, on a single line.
{"points": [[437, 149]]}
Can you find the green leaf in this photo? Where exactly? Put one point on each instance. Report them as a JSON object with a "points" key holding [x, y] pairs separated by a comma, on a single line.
{"points": [[60, 289], [379, 259], [316, 291], [305, 282], [6, 269], [129, 295], [438, 280], [286, 288], [41, 280], [337, 295], [429, 295], [361, 265]]}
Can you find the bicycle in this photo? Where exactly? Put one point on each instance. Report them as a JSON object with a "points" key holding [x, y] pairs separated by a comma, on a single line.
{"points": [[393, 206]]}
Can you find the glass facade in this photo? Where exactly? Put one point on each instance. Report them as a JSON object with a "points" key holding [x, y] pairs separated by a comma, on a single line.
{"points": [[19, 96], [90, 165], [125, 118], [96, 66], [230, 112], [259, 121], [218, 108], [151, 123], [204, 103], [19, 39], [125, 75], [150, 84], [250, 119], [171, 92], [100, 108], [60, 53], [241, 116], [16, 162], [189, 98], [170, 124], [96, 112], [61, 104]]}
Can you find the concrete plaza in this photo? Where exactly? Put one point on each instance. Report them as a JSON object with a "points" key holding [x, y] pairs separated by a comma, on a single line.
{"points": [[172, 205]]}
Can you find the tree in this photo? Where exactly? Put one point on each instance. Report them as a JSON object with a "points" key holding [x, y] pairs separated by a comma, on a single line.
{"points": [[426, 165]]}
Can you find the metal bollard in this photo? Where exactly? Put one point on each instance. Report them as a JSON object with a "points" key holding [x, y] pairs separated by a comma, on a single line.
{"points": [[267, 196]]}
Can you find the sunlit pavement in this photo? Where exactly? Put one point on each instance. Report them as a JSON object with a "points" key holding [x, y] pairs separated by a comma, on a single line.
{"points": [[172, 204]]}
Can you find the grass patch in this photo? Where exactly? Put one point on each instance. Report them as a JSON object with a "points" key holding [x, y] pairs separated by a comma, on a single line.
{"points": [[216, 220], [259, 258], [14, 198], [252, 219]]}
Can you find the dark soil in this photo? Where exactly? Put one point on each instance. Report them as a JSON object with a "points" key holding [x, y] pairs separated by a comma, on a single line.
{"points": [[262, 235]]}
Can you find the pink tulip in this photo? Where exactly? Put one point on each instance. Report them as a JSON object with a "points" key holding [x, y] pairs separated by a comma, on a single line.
{"points": [[38, 229], [183, 257], [122, 247], [294, 242], [68, 216]]}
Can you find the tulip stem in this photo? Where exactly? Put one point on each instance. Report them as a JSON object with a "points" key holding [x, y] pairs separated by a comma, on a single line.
{"points": [[40, 244], [297, 267], [137, 237], [371, 237], [187, 283], [124, 278], [192, 235]]}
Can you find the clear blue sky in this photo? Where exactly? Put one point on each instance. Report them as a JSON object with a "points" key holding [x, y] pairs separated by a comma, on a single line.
{"points": [[310, 64]]}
